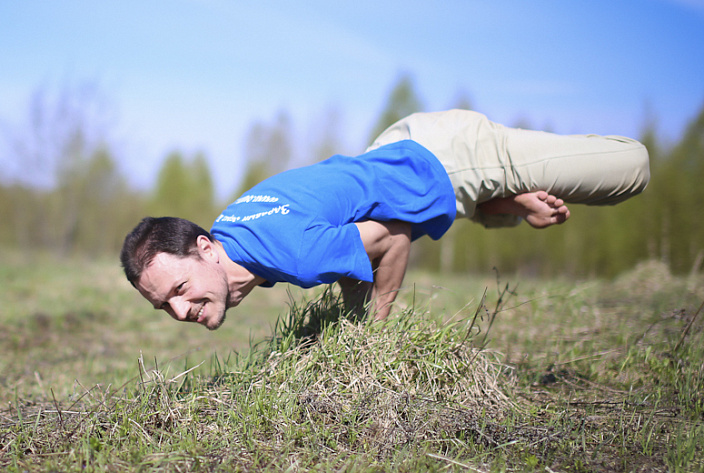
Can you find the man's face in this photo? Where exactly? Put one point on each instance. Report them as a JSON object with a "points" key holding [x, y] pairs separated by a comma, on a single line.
{"points": [[190, 289]]}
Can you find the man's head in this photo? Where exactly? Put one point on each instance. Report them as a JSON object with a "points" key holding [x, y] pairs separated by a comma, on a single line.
{"points": [[174, 264], [170, 235]]}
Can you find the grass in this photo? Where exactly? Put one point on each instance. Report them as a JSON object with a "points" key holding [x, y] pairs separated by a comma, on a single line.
{"points": [[469, 374]]}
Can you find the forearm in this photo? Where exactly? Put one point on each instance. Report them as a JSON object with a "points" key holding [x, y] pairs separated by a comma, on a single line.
{"points": [[388, 279], [387, 245], [390, 267], [356, 295]]}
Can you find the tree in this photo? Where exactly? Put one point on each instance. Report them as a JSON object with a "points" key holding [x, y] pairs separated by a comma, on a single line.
{"points": [[402, 102], [679, 188], [106, 208], [65, 130], [202, 188], [325, 140], [63, 127], [268, 150], [184, 189]]}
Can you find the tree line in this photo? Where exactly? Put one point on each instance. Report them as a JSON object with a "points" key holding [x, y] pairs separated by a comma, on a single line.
{"points": [[75, 201]]}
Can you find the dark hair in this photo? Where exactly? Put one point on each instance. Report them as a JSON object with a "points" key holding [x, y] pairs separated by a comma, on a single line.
{"points": [[152, 236]]}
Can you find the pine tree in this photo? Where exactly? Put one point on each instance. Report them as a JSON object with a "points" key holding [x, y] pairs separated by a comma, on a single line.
{"points": [[402, 102]]}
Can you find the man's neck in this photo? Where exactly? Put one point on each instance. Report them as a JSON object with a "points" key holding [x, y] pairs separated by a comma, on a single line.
{"points": [[240, 280]]}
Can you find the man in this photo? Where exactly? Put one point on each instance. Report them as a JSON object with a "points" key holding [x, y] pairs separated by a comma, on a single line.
{"points": [[351, 220]]}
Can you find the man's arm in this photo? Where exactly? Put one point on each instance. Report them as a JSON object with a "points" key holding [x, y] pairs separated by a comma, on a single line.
{"points": [[387, 245]]}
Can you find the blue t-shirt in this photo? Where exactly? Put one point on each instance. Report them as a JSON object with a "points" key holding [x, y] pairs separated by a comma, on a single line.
{"points": [[298, 226]]}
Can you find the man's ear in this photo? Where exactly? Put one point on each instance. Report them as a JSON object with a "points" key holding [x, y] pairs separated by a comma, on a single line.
{"points": [[206, 248]]}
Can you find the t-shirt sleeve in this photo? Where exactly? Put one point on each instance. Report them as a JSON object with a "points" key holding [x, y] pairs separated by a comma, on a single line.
{"points": [[330, 252]]}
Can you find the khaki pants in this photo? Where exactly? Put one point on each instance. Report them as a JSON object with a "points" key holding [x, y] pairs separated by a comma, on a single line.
{"points": [[486, 160]]}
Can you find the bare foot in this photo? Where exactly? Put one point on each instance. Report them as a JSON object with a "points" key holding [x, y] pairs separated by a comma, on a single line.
{"points": [[542, 209], [539, 208]]}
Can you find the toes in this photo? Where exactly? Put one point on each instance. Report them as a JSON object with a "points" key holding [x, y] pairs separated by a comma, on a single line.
{"points": [[558, 219]]}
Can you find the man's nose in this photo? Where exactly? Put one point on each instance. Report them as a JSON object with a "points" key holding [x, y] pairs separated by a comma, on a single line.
{"points": [[180, 309]]}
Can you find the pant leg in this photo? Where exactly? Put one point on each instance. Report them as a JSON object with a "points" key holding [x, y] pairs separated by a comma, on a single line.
{"points": [[486, 160], [580, 169]]}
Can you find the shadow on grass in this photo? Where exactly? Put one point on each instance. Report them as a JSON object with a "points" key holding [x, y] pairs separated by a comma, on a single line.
{"points": [[309, 318], [298, 329]]}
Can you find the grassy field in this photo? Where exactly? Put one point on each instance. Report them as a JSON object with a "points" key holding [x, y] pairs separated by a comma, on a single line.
{"points": [[469, 374]]}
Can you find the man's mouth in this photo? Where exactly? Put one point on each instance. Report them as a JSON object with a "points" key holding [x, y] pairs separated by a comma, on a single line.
{"points": [[199, 315]]}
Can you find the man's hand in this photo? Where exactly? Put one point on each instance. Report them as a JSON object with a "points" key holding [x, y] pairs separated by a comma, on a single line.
{"points": [[387, 245]]}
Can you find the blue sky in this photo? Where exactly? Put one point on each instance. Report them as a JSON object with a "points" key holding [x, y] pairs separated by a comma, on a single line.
{"points": [[193, 74]]}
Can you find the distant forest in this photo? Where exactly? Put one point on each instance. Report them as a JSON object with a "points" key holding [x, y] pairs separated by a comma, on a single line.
{"points": [[78, 202]]}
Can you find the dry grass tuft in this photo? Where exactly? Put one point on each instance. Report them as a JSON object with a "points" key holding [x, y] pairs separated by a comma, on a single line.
{"points": [[419, 356], [376, 388], [406, 382], [647, 277]]}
